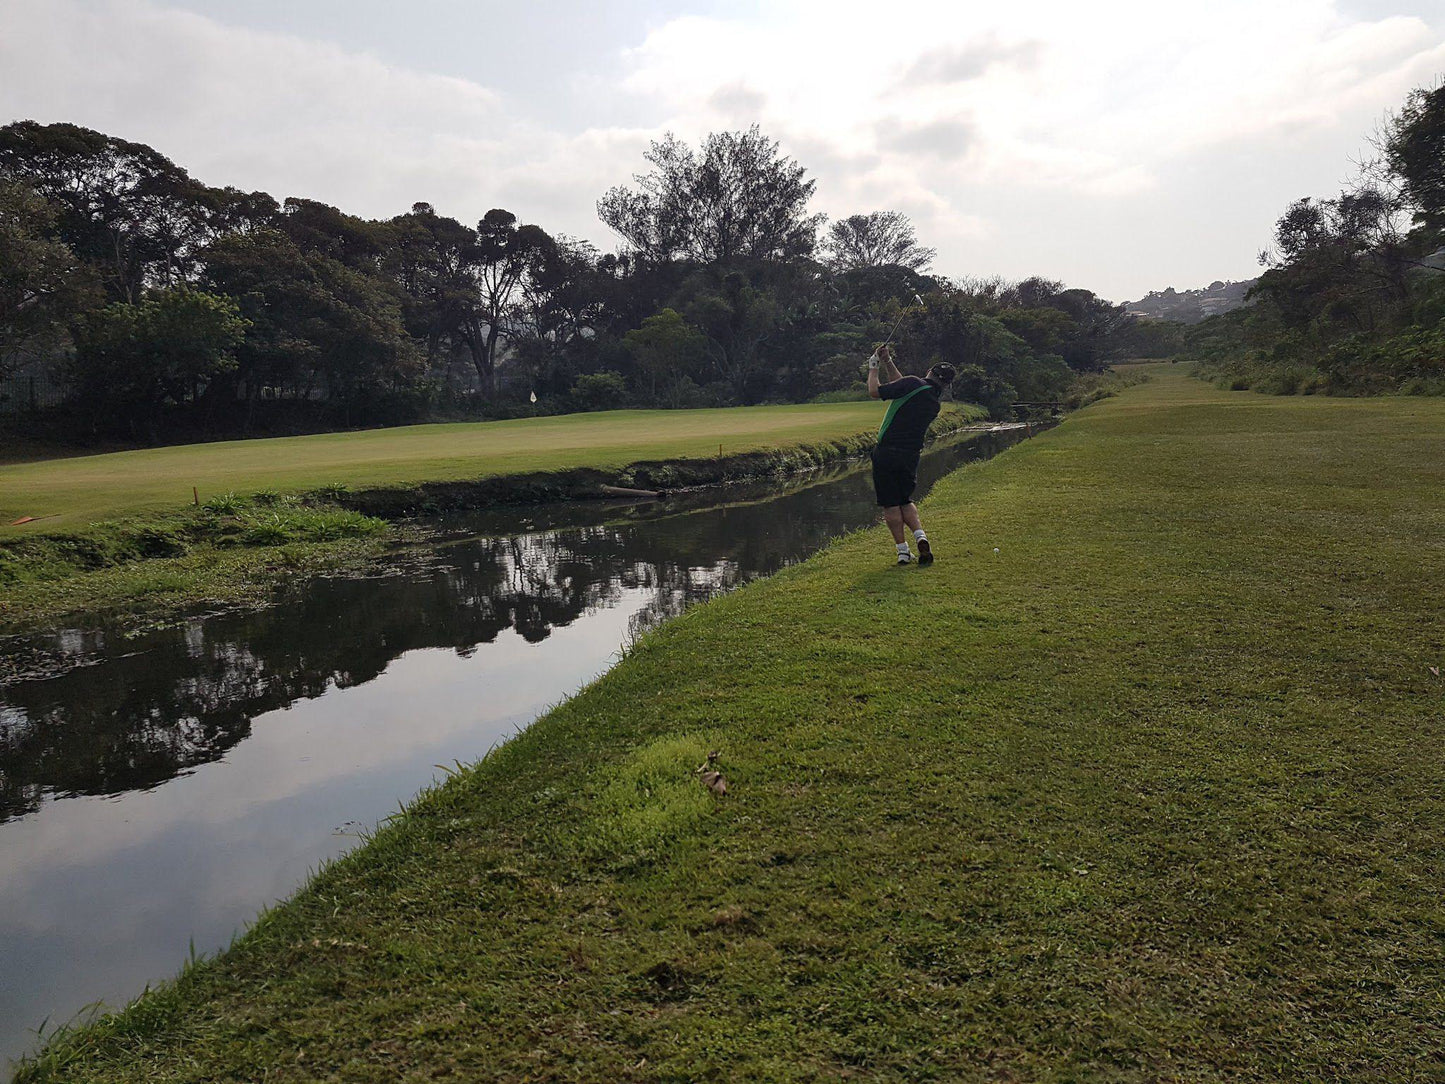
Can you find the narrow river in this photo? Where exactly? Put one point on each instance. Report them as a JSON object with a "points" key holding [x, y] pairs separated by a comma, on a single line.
{"points": [[158, 790]]}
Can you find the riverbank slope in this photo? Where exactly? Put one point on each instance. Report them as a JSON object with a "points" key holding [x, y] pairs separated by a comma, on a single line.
{"points": [[1138, 782]]}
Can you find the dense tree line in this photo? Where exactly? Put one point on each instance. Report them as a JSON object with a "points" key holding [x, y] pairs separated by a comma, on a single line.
{"points": [[1353, 296], [168, 308]]}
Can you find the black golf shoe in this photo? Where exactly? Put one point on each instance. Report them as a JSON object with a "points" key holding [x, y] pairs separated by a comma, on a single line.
{"points": [[925, 552]]}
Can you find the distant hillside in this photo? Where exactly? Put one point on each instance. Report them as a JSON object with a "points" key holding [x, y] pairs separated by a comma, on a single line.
{"points": [[1191, 306]]}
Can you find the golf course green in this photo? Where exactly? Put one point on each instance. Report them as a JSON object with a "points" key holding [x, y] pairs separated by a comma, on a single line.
{"points": [[1140, 782], [73, 492]]}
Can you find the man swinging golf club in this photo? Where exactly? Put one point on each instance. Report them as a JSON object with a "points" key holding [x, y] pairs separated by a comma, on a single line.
{"points": [[913, 404]]}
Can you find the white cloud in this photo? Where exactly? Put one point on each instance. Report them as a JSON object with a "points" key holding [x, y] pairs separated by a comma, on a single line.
{"points": [[944, 109], [1021, 137], [296, 117]]}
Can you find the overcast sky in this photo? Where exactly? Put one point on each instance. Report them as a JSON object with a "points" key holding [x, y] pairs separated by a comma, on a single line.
{"points": [[1116, 145]]}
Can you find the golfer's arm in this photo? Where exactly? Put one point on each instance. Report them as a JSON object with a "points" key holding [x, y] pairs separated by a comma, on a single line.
{"points": [[892, 371], [872, 382]]}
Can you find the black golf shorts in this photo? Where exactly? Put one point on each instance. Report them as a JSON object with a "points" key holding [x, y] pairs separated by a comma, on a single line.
{"points": [[895, 474]]}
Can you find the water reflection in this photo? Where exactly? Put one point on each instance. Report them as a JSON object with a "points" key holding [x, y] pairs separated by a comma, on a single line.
{"points": [[167, 786]]}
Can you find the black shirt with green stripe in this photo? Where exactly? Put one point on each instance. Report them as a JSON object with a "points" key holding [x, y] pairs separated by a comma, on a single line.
{"points": [[904, 432]]}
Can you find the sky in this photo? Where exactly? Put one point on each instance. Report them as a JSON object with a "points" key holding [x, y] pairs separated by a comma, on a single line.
{"points": [[1120, 146]]}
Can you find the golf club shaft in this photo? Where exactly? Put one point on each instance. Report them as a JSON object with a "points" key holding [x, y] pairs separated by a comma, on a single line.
{"points": [[901, 313], [889, 340]]}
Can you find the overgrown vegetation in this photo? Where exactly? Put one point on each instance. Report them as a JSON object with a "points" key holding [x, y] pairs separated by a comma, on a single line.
{"points": [[154, 309], [28, 565], [1353, 301], [1129, 785]]}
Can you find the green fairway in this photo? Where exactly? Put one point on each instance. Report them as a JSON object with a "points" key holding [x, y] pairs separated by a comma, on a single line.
{"points": [[76, 491], [1140, 782]]}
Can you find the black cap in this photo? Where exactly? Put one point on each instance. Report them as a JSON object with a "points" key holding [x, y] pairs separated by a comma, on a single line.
{"points": [[944, 373]]}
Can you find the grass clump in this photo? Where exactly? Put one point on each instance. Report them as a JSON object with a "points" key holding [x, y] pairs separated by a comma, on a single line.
{"points": [[1138, 782], [224, 504], [647, 801]]}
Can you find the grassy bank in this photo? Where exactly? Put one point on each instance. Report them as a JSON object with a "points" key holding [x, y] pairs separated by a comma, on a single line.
{"points": [[1140, 782], [77, 491], [240, 541]]}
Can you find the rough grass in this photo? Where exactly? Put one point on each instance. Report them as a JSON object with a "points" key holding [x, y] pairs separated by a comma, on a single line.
{"points": [[232, 550], [75, 491], [1140, 782]]}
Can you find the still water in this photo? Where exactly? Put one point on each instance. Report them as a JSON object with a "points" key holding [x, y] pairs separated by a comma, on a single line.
{"points": [[158, 790]]}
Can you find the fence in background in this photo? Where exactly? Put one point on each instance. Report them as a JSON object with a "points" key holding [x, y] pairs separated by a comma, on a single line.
{"points": [[32, 388]]}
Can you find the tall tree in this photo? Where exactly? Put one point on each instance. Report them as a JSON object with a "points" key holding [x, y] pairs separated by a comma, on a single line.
{"points": [[434, 259], [1338, 264], [736, 198], [1415, 152], [42, 284], [123, 207], [879, 239], [506, 254]]}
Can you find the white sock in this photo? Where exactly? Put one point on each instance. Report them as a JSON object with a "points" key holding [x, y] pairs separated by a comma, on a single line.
{"points": [[902, 548], [918, 535]]}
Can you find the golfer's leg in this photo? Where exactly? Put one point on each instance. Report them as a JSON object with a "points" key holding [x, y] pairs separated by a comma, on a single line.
{"points": [[909, 513], [894, 518]]}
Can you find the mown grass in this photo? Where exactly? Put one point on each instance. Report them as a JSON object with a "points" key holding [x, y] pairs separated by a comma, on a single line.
{"points": [[76, 491], [1140, 782]]}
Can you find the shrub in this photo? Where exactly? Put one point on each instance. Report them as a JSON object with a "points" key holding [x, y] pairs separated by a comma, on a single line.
{"points": [[606, 390]]}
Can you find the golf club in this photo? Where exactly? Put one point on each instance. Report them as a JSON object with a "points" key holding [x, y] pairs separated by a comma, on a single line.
{"points": [[889, 340]]}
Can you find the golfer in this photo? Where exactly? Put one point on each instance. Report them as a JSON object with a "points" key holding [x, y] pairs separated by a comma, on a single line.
{"points": [[914, 403]]}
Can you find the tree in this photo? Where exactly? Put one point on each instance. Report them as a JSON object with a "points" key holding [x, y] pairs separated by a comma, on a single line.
{"points": [[1086, 342], [314, 321], [133, 358], [735, 199], [506, 254], [1338, 264], [317, 227], [736, 317], [1414, 147], [279, 295], [42, 284], [434, 260], [665, 350], [123, 207], [879, 239], [606, 390]]}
